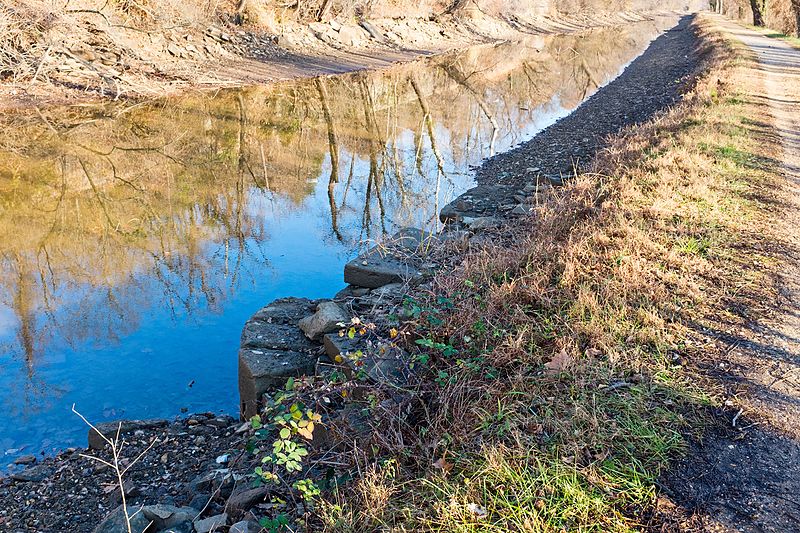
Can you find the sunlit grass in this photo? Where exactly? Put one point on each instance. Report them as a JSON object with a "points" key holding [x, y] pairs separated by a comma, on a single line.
{"points": [[583, 318]]}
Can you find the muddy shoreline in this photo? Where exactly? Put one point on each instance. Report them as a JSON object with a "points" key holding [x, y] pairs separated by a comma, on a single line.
{"points": [[47, 495]]}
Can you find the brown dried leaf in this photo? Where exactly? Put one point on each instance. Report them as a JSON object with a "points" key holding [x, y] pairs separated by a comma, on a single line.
{"points": [[443, 465], [559, 363]]}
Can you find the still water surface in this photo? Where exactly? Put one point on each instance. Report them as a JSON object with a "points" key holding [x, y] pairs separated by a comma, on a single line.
{"points": [[136, 239]]}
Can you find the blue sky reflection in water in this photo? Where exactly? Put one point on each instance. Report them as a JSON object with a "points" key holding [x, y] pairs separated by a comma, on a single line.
{"points": [[136, 239]]}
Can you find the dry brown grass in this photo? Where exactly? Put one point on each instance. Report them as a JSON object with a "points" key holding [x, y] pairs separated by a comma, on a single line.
{"points": [[579, 334]]}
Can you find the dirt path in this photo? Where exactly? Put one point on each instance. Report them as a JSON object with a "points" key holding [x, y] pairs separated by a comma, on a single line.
{"points": [[748, 477]]}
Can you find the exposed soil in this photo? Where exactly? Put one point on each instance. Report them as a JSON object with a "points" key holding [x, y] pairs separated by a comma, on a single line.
{"points": [[94, 61], [743, 476]]}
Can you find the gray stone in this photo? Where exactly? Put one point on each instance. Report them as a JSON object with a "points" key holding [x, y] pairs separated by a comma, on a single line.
{"points": [[245, 499], [25, 460], [166, 516], [32, 474], [455, 236], [351, 35], [273, 349], [262, 370], [537, 188], [392, 291], [260, 334], [351, 291], [285, 310], [109, 430], [373, 31], [328, 318], [521, 210], [245, 526], [115, 522], [183, 527], [481, 223], [212, 523], [394, 261], [382, 363], [374, 271]]}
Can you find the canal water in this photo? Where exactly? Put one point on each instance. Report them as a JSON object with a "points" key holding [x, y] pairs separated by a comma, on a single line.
{"points": [[137, 238]]}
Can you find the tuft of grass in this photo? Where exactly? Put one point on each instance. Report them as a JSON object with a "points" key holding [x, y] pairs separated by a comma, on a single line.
{"points": [[794, 41]]}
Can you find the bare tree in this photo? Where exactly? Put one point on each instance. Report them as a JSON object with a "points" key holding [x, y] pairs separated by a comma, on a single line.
{"points": [[759, 8]]}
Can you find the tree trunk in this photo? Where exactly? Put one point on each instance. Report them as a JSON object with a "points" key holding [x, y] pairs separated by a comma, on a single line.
{"points": [[758, 7], [240, 8], [796, 9]]}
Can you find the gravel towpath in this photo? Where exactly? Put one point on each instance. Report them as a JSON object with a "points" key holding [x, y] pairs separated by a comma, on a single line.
{"points": [[749, 479]]}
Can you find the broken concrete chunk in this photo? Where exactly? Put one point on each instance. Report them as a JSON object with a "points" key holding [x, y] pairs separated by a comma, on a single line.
{"points": [[328, 318]]}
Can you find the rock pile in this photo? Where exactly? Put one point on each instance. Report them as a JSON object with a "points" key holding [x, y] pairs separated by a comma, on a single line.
{"points": [[288, 337]]}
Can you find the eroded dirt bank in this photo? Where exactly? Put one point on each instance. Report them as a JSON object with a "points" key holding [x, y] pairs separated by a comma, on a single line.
{"points": [[88, 52]]}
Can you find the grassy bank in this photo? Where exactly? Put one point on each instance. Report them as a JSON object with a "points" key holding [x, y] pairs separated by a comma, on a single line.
{"points": [[567, 358]]}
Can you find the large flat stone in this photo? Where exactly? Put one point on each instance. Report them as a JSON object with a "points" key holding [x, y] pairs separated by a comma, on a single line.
{"points": [[286, 310], [259, 334], [396, 260], [273, 349], [262, 370]]}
